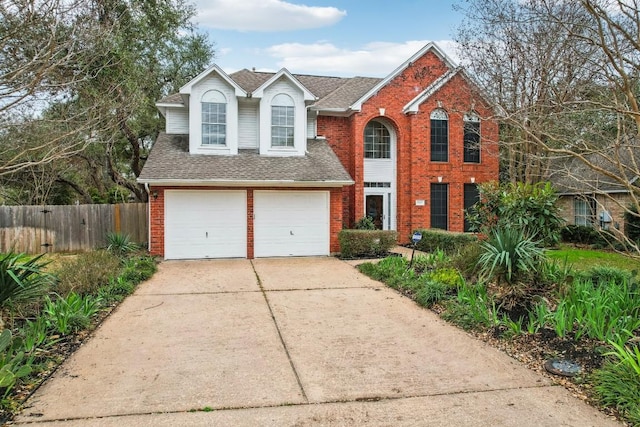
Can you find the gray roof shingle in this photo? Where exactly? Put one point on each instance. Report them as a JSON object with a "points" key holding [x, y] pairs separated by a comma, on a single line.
{"points": [[618, 166], [170, 161], [337, 93]]}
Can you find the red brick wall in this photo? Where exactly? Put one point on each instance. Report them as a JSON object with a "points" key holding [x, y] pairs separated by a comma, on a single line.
{"points": [[415, 171], [156, 206], [339, 135]]}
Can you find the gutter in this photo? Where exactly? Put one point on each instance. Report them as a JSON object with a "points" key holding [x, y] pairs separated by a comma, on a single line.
{"points": [[245, 183], [146, 187]]}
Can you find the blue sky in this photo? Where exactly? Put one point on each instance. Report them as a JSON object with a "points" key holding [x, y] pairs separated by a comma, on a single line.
{"points": [[325, 37]]}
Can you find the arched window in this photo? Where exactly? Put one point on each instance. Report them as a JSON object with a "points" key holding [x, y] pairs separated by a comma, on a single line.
{"points": [[214, 118], [282, 121], [439, 136], [377, 141], [471, 138]]}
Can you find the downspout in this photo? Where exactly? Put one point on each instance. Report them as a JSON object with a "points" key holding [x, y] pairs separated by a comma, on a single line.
{"points": [[146, 187]]}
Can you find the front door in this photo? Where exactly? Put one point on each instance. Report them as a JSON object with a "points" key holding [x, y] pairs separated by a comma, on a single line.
{"points": [[374, 209]]}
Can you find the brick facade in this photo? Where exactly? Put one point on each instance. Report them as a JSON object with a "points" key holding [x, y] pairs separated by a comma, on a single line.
{"points": [[156, 211], [415, 170], [614, 204]]}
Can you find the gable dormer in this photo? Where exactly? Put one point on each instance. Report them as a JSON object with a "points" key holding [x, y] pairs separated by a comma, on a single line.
{"points": [[212, 98], [283, 115]]}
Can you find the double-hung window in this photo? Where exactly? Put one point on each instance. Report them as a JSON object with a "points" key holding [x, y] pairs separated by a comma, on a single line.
{"points": [[471, 138], [440, 206], [214, 118], [439, 136], [282, 121]]}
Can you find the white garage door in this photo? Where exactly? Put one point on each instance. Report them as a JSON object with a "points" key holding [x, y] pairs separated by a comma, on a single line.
{"points": [[291, 223], [205, 224]]}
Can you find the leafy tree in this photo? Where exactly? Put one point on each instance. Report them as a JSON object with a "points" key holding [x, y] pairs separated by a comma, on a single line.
{"points": [[79, 84], [530, 208]]}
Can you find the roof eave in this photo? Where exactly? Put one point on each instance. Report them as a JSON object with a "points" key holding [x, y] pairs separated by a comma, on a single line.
{"points": [[308, 96], [243, 183], [186, 89]]}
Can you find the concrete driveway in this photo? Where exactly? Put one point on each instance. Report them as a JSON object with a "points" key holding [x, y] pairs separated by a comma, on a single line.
{"points": [[290, 342]]}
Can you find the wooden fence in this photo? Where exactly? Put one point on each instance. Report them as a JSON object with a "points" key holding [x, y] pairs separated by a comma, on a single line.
{"points": [[51, 228]]}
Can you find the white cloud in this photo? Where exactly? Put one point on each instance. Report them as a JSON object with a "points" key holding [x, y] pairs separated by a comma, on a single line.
{"points": [[375, 59], [264, 15]]}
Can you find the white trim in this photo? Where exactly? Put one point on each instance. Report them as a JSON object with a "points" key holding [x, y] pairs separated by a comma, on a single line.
{"points": [[244, 183], [413, 106], [357, 106], [259, 92], [186, 89]]}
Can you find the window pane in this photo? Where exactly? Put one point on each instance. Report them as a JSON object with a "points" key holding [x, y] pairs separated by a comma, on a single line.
{"points": [[439, 140], [282, 126], [472, 142], [471, 197], [440, 206], [214, 123], [377, 141]]}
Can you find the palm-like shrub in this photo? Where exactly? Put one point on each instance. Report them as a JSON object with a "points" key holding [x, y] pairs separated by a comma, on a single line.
{"points": [[120, 244], [22, 280], [508, 255]]}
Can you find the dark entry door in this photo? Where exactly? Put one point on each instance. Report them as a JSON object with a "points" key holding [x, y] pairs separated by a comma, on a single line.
{"points": [[375, 209]]}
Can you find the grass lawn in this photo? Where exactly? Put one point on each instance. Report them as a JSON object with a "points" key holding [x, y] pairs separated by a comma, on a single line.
{"points": [[583, 259]]}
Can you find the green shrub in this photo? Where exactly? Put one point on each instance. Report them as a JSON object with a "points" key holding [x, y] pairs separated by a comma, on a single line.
{"points": [[447, 241], [448, 276], [366, 243], [530, 207], [431, 293], [22, 279], [466, 259], [601, 274], [581, 234], [87, 272], [617, 384], [138, 268], [632, 224], [365, 223]]}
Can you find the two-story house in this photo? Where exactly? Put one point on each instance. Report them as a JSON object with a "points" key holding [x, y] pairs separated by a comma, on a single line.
{"points": [[256, 164]]}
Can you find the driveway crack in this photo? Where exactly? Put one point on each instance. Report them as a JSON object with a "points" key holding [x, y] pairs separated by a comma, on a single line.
{"points": [[284, 344]]}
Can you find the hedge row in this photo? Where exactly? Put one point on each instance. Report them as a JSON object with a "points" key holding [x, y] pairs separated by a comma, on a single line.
{"points": [[366, 243], [446, 241]]}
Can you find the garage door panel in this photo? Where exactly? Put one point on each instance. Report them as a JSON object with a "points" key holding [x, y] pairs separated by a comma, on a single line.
{"points": [[290, 223], [205, 224]]}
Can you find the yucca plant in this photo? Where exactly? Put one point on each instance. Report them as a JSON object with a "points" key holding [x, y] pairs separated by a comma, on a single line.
{"points": [[508, 254], [22, 280], [120, 244]]}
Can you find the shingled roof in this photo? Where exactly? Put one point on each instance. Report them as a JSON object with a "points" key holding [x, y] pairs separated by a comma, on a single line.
{"points": [[170, 162], [611, 170], [336, 93]]}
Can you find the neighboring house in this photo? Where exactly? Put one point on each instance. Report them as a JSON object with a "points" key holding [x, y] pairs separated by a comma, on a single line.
{"points": [[595, 191], [256, 164]]}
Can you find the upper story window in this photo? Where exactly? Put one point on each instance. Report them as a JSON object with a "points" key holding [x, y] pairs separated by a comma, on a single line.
{"points": [[471, 138], [377, 141], [214, 118], [439, 136], [282, 121]]}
